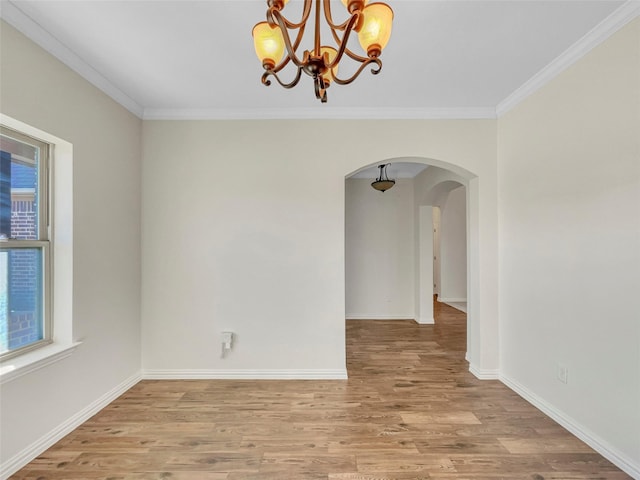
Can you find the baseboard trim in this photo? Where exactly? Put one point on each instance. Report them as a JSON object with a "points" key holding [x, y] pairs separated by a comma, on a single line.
{"points": [[22, 458], [368, 316], [425, 321], [451, 300], [484, 373], [594, 441], [239, 374]]}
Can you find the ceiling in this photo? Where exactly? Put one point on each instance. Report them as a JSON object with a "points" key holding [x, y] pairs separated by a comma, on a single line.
{"points": [[195, 59]]}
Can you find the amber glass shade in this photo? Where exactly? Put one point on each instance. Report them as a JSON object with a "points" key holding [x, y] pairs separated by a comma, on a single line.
{"points": [[268, 43], [383, 185], [332, 52], [376, 28]]}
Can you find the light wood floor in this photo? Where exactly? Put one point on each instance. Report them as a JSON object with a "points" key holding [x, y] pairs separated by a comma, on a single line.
{"points": [[410, 410]]}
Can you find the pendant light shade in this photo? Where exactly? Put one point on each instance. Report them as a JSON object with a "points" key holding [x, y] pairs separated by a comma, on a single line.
{"points": [[376, 28], [383, 182], [269, 43]]}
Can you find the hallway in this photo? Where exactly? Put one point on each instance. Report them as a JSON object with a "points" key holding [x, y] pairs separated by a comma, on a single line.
{"points": [[410, 410]]}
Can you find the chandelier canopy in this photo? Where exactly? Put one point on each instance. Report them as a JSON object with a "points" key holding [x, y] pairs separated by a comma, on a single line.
{"points": [[278, 39]]}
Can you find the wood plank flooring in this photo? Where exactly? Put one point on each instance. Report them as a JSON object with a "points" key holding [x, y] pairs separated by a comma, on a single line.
{"points": [[410, 410]]}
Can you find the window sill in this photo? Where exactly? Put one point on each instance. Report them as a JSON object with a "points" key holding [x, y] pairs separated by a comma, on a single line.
{"points": [[29, 362]]}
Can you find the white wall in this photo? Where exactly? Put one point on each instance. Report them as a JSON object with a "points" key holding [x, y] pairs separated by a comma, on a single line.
{"points": [[379, 229], [424, 280], [436, 250], [569, 186], [453, 247], [244, 229], [40, 91]]}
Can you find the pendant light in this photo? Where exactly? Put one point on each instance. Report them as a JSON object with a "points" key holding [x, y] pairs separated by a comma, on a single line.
{"points": [[383, 183]]}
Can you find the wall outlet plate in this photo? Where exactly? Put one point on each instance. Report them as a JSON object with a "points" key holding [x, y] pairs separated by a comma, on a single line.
{"points": [[227, 339], [563, 373]]}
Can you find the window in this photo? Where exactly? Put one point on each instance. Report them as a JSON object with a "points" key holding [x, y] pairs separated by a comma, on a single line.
{"points": [[25, 250]]}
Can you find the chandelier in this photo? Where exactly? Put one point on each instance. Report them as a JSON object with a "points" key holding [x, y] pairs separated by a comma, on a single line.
{"points": [[371, 22], [383, 182]]}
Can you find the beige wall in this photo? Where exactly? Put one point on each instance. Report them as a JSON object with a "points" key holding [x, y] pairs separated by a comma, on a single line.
{"points": [[242, 231], [453, 247], [379, 250], [40, 91], [569, 189]]}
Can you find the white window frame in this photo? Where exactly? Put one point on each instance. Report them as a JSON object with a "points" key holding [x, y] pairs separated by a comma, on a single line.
{"points": [[42, 243], [60, 256]]}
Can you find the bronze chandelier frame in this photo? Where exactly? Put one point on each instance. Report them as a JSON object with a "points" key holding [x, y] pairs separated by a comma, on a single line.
{"points": [[313, 62]]}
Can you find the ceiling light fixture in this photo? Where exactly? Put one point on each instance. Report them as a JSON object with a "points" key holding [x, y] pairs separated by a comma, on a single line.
{"points": [[383, 183], [372, 23]]}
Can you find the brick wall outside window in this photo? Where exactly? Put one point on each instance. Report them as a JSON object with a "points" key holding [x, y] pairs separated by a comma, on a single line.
{"points": [[23, 325], [23, 219]]}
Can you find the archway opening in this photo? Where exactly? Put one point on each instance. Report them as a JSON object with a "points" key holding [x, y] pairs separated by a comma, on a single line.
{"points": [[389, 241]]}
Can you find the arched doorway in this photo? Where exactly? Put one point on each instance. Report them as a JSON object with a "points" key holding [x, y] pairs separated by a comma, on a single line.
{"points": [[397, 256]]}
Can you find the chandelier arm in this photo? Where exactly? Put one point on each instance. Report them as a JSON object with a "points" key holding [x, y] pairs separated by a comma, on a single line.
{"points": [[299, 36], [320, 88], [283, 64], [296, 44], [334, 27], [277, 16], [343, 43], [349, 52], [375, 71], [289, 24], [293, 83]]}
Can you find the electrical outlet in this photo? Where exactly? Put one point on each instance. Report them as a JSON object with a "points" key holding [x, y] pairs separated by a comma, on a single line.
{"points": [[227, 339], [563, 373]]}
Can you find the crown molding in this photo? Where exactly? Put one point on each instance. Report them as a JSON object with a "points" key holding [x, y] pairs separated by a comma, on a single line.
{"points": [[15, 17], [321, 113], [614, 22]]}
